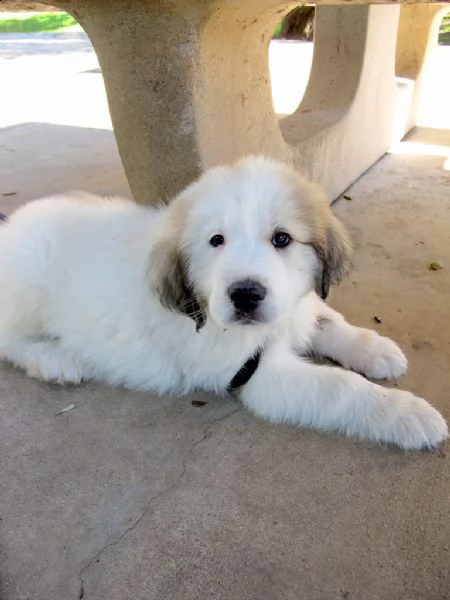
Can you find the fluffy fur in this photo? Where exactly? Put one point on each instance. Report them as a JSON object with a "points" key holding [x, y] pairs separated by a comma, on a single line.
{"points": [[135, 296]]}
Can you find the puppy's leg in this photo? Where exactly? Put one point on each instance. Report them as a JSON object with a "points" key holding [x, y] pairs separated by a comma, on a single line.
{"points": [[355, 348], [43, 359], [286, 388]]}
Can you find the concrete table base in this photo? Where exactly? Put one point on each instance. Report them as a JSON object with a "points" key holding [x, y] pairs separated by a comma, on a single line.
{"points": [[188, 87]]}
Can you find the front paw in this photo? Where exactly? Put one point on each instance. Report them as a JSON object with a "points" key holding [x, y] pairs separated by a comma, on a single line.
{"points": [[378, 357], [412, 423], [61, 370]]}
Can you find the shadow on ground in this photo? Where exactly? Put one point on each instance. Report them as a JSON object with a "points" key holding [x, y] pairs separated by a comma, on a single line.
{"points": [[38, 159]]}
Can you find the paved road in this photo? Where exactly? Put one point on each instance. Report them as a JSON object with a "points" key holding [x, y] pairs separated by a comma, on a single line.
{"points": [[19, 45]]}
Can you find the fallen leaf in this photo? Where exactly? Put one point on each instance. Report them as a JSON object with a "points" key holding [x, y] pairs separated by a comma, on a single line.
{"points": [[441, 452], [377, 319], [346, 197], [420, 344], [9, 193], [64, 410], [199, 403], [436, 265]]}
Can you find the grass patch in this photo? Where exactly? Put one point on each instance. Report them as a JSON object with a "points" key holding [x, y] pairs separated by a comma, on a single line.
{"points": [[39, 23], [444, 31]]}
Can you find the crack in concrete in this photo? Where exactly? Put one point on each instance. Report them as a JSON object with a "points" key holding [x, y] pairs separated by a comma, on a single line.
{"points": [[170, 488]]}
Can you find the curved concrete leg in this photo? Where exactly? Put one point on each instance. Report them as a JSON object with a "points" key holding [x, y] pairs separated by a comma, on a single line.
{"points": [[188, 87], [417, 33], [344, 123]]}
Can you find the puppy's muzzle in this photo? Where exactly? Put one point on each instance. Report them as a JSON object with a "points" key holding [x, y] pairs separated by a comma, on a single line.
{"points": [[246, 296]]}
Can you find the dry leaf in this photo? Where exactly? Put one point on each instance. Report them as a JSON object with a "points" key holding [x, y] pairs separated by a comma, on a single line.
{"points": [[436, 265], [199, 403]]}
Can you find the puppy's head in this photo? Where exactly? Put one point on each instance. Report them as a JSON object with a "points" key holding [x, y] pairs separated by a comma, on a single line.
{"points": [[245, 243]]}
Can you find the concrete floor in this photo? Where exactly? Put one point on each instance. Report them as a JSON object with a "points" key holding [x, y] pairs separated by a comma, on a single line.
{"points": [[133, 497], [128, 496]]}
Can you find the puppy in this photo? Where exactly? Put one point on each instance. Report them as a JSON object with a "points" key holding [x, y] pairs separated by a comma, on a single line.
{"points": [[222, 290]]}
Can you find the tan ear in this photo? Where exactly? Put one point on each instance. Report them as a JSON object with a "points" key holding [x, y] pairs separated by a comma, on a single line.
{"points": [[333, 247], [169, 277]]}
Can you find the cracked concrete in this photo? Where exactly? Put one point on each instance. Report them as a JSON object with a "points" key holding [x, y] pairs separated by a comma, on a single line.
{"points": [[170, 488], [108, 492]]}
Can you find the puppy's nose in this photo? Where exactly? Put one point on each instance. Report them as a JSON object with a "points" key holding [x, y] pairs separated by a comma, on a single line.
{"points": [[246, 295]]}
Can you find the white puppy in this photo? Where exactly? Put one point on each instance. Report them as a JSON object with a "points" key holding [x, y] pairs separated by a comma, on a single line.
{"points": [[217, 291]]}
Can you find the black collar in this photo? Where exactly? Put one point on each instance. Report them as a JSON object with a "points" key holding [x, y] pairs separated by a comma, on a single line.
{"points": [[245, 372], [194, 311]]}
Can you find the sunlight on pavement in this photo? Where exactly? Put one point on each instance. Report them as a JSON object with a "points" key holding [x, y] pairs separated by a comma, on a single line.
{"points": [[434, 108], [51, 79], [289, 67], [433, 112]]}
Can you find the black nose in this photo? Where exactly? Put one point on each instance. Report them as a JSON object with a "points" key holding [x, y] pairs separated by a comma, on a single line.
{"points": [[246, 295]]}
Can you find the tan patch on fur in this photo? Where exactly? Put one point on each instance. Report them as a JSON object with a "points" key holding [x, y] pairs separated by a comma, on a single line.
{"points": [[168, 269]]}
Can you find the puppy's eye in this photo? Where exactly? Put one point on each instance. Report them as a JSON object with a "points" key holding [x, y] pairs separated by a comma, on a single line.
{"points": [[281, 239], [217, 240]]}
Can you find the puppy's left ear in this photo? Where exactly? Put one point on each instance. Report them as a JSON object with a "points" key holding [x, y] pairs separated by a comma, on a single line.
{"points": [[333, 247]]}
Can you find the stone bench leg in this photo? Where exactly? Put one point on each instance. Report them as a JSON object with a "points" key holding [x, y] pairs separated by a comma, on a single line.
{"points": [[188, 87]]}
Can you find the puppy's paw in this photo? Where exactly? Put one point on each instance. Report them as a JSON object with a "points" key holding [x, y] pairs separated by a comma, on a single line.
{"points": [[378, 357], [412, 423], [56, 369]]}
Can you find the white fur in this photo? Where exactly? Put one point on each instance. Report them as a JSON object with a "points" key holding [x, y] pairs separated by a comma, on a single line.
{"points": [[81, 298]]}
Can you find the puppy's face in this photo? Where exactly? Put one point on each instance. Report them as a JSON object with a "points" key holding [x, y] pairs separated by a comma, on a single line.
{"points": [[254, 239]]}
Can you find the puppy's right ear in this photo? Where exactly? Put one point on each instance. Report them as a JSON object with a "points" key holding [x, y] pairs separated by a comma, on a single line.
{"points": [[168, 273]]}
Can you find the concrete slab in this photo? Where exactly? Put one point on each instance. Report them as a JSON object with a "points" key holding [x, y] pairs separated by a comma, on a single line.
{"points": [[130, 496]]}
